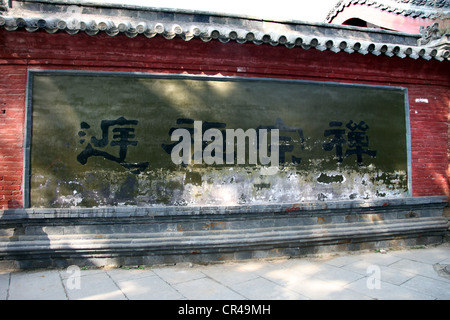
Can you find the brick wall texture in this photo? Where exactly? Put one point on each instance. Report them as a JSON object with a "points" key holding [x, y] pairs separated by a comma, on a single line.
{"points": [[428, 84]]}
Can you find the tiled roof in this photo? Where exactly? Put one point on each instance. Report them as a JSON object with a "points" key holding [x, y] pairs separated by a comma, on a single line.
{"points": [[430, 9], [61, 16]]}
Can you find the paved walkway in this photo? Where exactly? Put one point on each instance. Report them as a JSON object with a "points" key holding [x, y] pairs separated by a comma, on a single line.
{"points": [[404, 274]]}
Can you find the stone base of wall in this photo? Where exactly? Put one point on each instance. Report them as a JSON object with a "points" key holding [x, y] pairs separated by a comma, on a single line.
{"points": [[447, 215], [56, 238]]}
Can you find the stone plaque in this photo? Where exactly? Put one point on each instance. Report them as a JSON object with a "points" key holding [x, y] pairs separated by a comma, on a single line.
{"points": [[125, 139]]}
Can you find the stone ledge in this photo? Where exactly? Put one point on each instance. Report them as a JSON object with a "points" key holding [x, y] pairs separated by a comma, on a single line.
{"points": [[122, 212], [30, 239]]}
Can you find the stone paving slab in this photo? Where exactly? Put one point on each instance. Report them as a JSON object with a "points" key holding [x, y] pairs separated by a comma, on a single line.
{"points": [[198, 289], [45, 285], [387, 291], [96, 286], [148, 288], [428, 286]]}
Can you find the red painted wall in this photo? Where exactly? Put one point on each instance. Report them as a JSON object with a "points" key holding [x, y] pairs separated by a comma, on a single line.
{"points": [[21, 50]]}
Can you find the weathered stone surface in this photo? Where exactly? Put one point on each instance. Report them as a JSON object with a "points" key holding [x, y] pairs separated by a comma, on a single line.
{"points": [[208, 234]]}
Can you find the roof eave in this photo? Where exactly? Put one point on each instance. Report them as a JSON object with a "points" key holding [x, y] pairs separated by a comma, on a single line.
{"points": [[58, 15]]}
